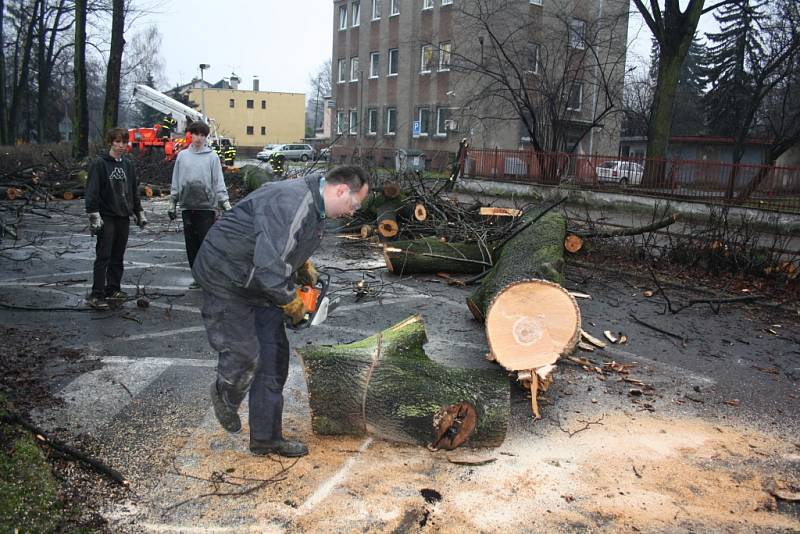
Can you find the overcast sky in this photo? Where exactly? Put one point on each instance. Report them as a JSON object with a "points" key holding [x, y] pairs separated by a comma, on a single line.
{"points": [[282, 42]]}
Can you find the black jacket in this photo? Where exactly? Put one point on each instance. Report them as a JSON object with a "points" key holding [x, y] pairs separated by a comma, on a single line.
{"points": [[112, 188]]}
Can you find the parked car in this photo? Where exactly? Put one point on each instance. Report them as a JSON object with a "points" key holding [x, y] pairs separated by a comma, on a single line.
{"points": [[298, 152], [325, 153], [265, 152], [620, 172]]}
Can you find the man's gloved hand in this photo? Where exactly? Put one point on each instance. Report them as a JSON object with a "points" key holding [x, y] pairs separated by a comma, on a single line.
{"points": [[95, 223], [172, 212], [141, 220], [225, 205], [295, 310], [307, 275]]}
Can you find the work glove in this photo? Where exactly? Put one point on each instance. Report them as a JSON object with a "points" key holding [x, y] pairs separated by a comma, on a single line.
{"points": [[141, 220], [295, 310], [307, 275], [225, 205], [172, 212], [95, 223]]}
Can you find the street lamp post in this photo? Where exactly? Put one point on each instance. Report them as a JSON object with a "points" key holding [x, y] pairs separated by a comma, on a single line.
{"points": [[203, 66]]}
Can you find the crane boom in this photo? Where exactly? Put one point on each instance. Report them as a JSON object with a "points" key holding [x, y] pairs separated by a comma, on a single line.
{"points": [[161, 102]]}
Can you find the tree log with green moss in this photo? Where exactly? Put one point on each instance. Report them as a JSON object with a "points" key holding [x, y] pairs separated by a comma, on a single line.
{"points": [[386, 386], [431, 255]]}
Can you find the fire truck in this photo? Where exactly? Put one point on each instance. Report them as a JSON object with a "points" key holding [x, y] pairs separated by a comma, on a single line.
{"points": [[147, 140]]}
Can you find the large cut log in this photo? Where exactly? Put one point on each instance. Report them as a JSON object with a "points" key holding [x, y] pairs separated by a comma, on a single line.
{"points": [[386, 386], [431, 255], [535, 252], [530, 319]]}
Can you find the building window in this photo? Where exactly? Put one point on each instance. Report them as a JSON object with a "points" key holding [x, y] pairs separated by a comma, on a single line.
{"points": [[340, 122], [263, 104], [427, 4], [374, 64], [577, 33], [342, 70], [444, 123], [372, 121], [231, 103], [536, 2], [249, 130], [575, 97], [533, 58], [343, 17], [250, 104], [263, 130], [447, 2], [391, 121], [445, 53], [353, 69], [424, 115], [356, 9], [376, 9], [353, 122], [426, 58], [393, 61], [394, 7]]}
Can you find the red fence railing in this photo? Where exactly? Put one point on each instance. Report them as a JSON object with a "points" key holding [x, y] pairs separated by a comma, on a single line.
{"points": [[763, 186]]}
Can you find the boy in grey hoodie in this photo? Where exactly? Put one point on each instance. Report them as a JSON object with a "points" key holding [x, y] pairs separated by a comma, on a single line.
{"points": [[199, 188]]}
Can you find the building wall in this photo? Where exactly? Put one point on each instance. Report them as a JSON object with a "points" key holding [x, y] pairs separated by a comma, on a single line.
{"points": [[282, 116], [412, 89]]}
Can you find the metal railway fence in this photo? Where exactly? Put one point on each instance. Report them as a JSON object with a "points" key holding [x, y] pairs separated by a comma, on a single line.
{"points": [[760, 186]]}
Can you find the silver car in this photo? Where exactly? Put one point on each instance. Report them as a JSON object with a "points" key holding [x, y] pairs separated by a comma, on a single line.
{"points": [[298, 152], [620, 172]]}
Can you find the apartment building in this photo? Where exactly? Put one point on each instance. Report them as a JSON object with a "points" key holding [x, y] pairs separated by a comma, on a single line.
{"points": [[251, 117], [421, 75]]}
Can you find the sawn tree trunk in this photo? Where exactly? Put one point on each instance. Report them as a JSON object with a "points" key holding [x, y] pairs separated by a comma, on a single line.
{"points": [[386, 386]]}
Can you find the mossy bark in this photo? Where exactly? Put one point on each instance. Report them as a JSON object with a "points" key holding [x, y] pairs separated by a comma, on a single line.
{"points": [[386, 386], [536, 252], [430, 255]]}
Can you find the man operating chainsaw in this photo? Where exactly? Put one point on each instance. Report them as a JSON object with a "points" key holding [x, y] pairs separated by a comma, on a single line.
{"points": [[249, 265]]}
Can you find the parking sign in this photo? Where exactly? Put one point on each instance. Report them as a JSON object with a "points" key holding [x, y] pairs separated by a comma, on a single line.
{"points": [[416, 129]]}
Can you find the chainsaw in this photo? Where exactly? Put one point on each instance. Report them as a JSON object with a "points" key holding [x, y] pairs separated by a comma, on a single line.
{"points": [[316, 301]]}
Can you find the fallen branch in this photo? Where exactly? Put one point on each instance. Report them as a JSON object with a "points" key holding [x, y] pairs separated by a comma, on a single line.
{"points": [[659, 330], [631, 231], [97, 465]]}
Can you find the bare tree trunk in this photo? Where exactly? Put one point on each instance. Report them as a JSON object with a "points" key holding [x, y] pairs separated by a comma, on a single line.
{"points": [[47, 127], [4, 139], [673, 30], [21, 85], [80, 122], [111, 106]]}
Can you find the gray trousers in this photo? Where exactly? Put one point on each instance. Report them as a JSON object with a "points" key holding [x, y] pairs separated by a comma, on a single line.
{"points": [[253, 357]]}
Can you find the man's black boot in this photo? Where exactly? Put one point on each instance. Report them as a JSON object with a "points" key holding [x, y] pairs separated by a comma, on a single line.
{"points": [[284, 447], [226, 415]]}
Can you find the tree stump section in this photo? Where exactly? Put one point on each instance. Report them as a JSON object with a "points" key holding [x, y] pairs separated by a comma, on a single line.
{"points": [[430, 255], [537, 252], [386, 386], [387, 218]]}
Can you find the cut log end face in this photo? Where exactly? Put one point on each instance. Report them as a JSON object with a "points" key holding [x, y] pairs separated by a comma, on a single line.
{"points": [[68, 195], [388, 228], [148, 191], [391, 190], [531, 323], [573, 243], [453, 425], [420, 212]]}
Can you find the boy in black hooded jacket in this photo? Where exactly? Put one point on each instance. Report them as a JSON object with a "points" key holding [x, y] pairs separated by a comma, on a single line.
{"points": [[112, 196]]}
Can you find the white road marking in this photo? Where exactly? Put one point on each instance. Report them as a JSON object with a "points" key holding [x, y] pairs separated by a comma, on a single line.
{"points": [[94, 398], [329, 485]]}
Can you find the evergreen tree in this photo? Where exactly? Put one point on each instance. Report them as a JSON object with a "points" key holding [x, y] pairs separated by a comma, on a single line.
{"points": [[733, 52]]}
